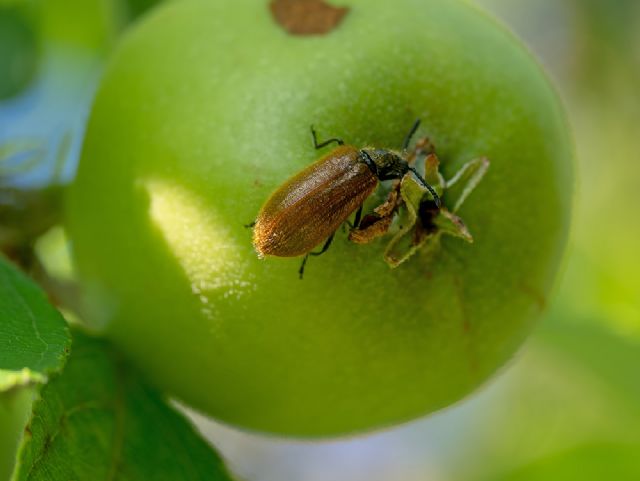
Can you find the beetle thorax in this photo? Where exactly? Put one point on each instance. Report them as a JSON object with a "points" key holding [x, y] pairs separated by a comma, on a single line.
{"points": [[388, 164]]}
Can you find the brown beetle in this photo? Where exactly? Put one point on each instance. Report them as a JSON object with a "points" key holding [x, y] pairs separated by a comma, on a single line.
{"points": [[310, 206]]}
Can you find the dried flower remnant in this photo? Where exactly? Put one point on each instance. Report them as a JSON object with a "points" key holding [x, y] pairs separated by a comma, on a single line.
{"points": [[307, 17]]}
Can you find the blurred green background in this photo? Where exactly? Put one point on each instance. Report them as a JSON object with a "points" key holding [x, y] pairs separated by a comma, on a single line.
{"points": [[567, 407]]}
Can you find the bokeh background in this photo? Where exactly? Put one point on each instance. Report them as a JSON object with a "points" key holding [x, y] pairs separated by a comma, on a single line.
{"points": [[568, 405]]}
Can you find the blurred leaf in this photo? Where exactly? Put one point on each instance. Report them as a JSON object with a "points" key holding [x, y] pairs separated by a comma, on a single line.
{"points": [[139, 7], [576, 384], [28, 212], [98, 420], [595, 462], [18, 157], [62, 154], [607, 61], [26, 215], [608, 22], [34, 339], [53, 251], [612, 357], [15, 408], [18, 51], [93, 24]]}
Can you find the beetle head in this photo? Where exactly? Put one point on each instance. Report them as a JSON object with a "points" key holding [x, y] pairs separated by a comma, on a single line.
{"points": [[389, 165]]}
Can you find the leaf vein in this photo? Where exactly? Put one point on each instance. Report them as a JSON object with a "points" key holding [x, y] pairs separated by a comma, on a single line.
{"points": [[32, 317]]}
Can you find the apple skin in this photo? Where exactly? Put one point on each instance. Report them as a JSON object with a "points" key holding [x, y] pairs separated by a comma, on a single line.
{"points": [[205, 109]]}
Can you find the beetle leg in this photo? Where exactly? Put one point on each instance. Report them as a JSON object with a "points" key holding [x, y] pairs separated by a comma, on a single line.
{"points": [[325, 143], [301, 270], [251, 225], [324, 249], [356, 221]]}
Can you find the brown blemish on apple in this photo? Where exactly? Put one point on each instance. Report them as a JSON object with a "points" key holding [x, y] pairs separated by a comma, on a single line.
{"points": [[466, 326], [537, 296], [306, 17]]}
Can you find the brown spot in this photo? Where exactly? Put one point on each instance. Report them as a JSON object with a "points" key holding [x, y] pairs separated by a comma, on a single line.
{"points": [[466, 326], [306, 17], [27, 431], [534, 294]]}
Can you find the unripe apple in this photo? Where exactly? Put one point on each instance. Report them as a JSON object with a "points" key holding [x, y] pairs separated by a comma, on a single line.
{"points": [[205, 109]]}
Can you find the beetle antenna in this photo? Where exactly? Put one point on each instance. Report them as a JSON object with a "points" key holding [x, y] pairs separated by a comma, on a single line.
{"points": [[410, 135], [326, 142], [431, 190]]}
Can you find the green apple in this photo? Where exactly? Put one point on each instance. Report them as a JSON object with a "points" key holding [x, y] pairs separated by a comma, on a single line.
{"points": [[205, 109]]}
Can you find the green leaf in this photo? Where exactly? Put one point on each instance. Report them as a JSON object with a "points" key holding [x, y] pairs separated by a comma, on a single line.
{"points": [[592, 462], [99, 420], [608, 354], [19, 156], [34, 339], [18, 50]]}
